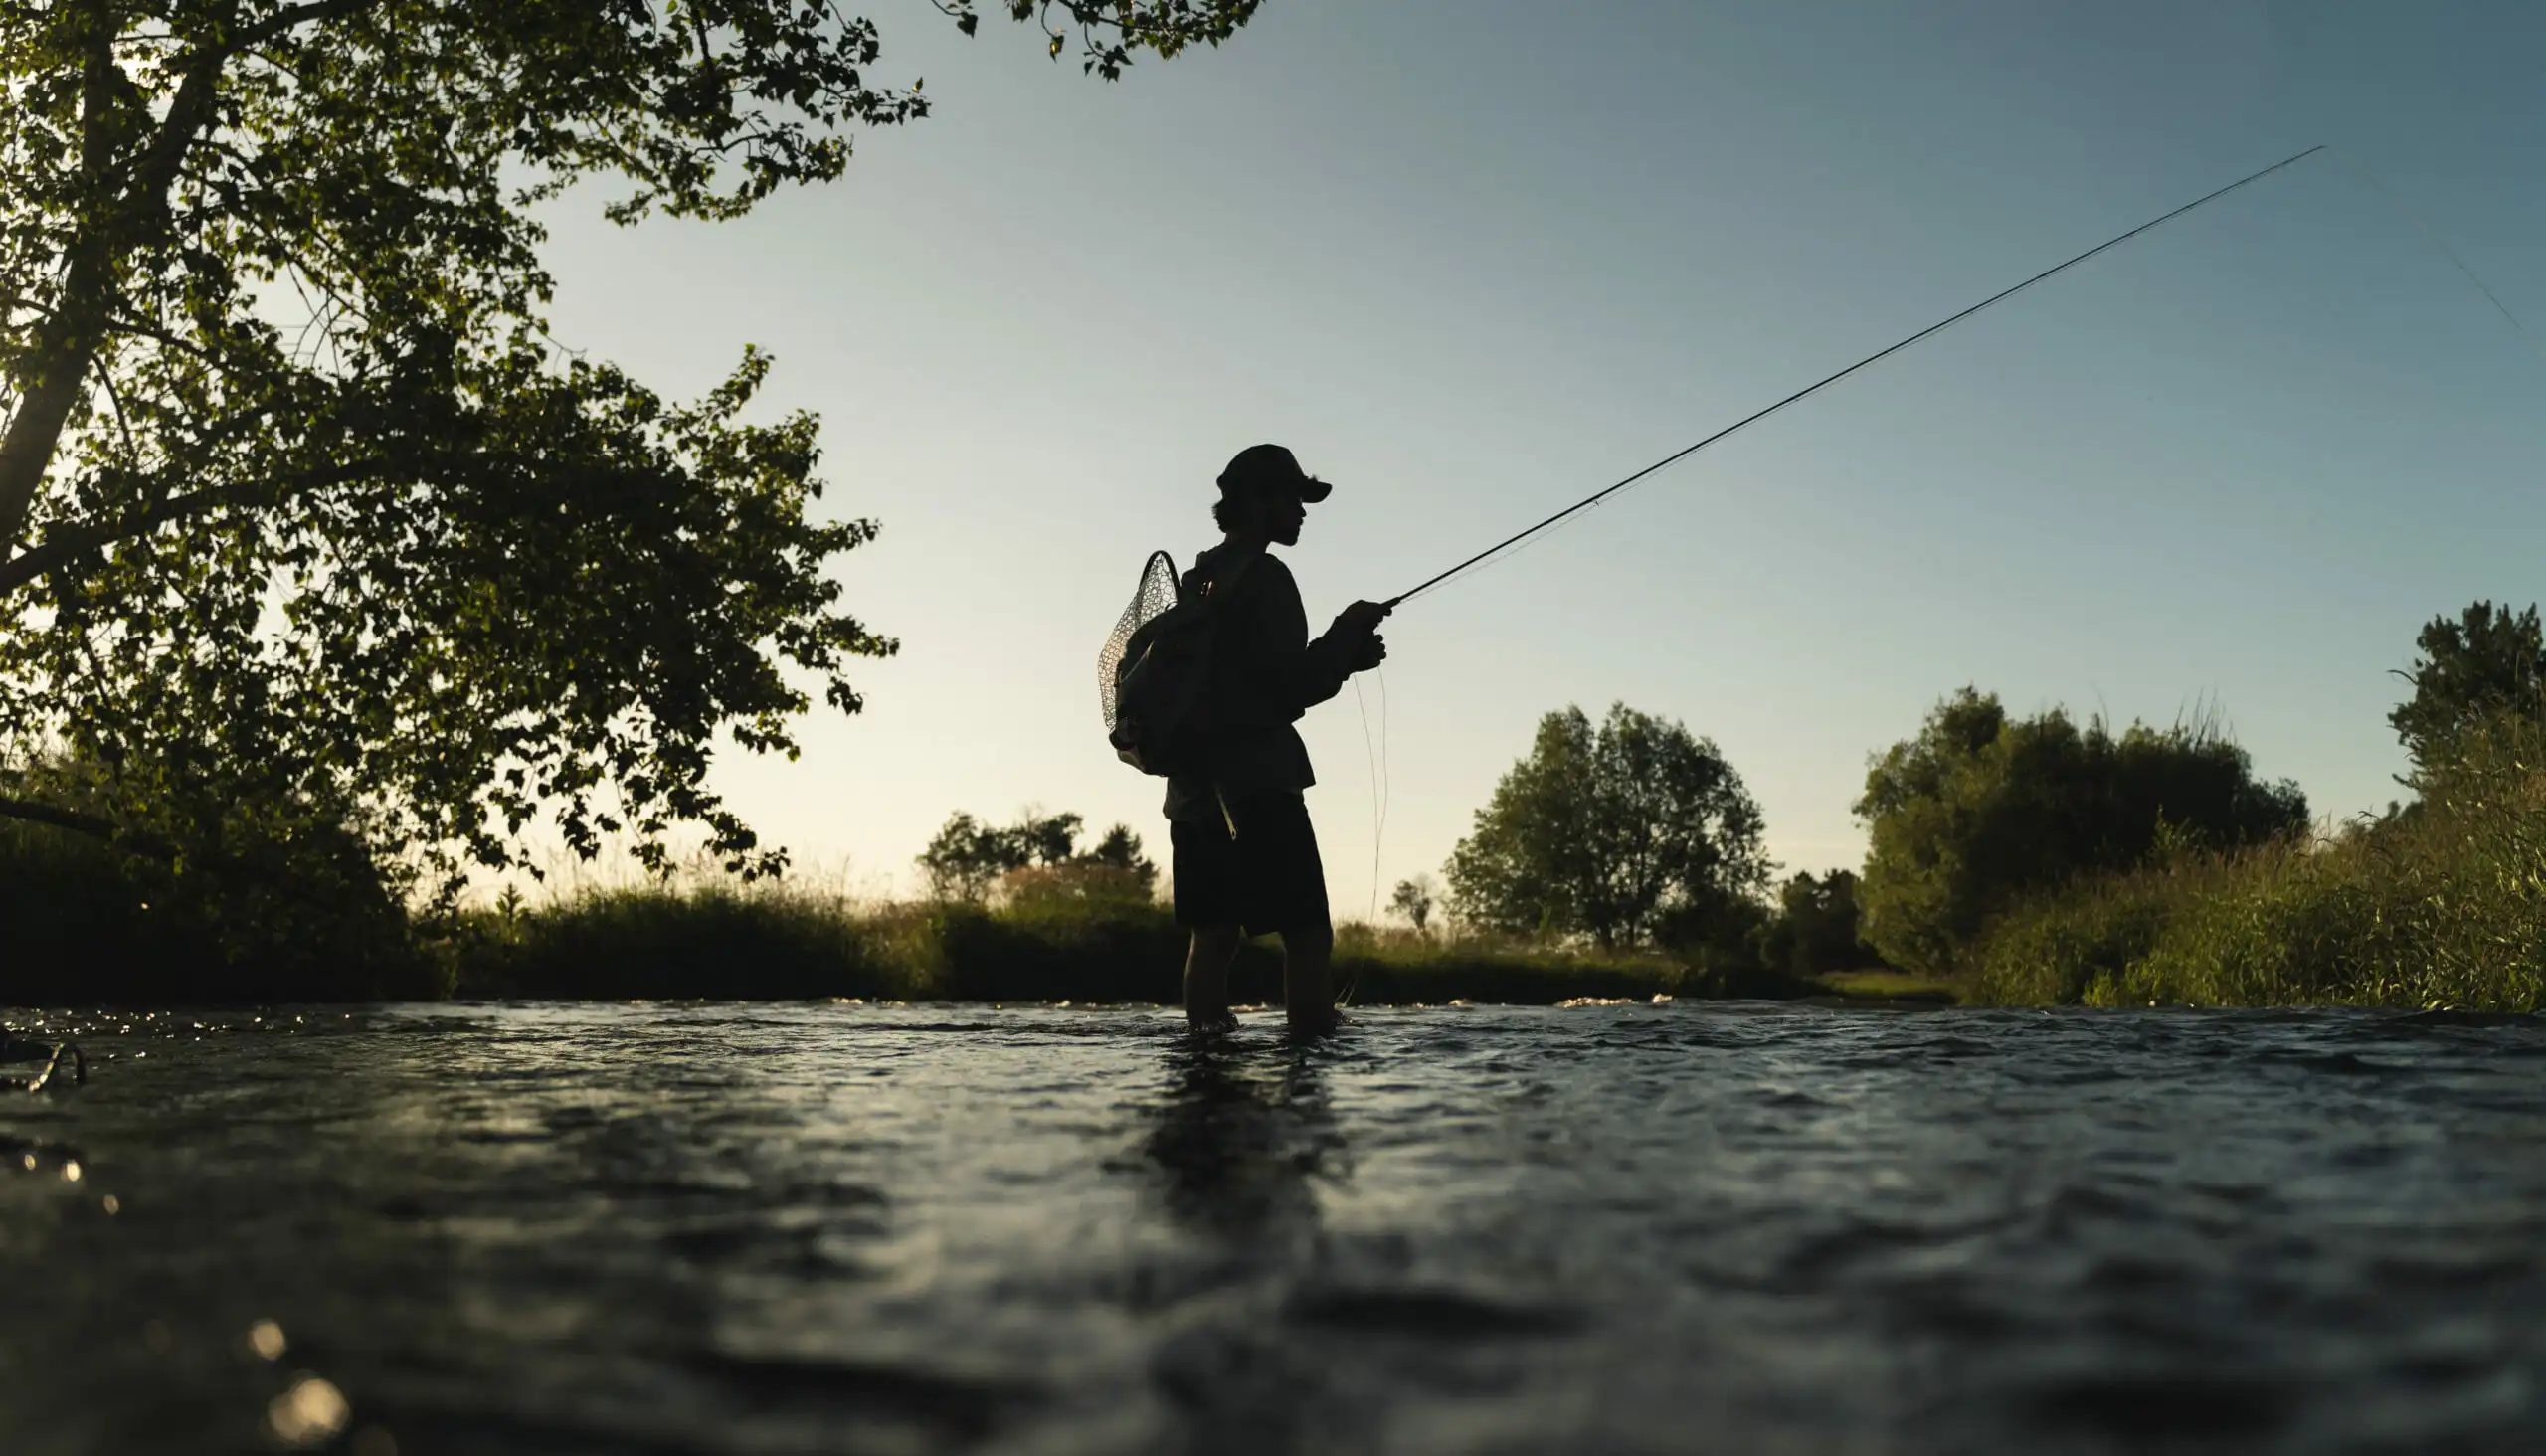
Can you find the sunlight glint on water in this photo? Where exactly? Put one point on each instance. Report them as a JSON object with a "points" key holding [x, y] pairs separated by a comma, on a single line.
{"points": [[1618, 1227]]}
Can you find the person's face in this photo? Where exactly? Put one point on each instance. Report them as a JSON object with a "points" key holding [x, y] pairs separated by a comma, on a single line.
{"points": [[1284, 514]]}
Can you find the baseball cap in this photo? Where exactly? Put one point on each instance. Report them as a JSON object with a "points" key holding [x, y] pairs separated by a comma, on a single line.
{"points": [[1271, 468]]}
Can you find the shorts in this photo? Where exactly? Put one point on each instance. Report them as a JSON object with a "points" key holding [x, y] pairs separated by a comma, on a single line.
{"points": [[1266, 877]]}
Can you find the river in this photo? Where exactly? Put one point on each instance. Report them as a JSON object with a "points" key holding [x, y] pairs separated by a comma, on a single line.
{"points": [[1731, 1227]]}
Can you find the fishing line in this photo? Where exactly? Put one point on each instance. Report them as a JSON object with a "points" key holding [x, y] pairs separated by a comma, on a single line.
{"points": [[1380, 674], [1373, 757], [1377, 758], [2361, 174], [1676, 457], [1378, 811]]}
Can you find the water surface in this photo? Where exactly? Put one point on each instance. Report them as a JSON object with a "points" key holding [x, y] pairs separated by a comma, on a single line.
{"points": [[816, 1228]]}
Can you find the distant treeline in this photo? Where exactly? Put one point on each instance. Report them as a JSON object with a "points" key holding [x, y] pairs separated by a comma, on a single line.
{"points": [[2014, 859], [1020, 913], [2043, 859]]}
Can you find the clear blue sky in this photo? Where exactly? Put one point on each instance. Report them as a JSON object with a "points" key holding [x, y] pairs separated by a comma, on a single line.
{"points": [[1476, 260]]}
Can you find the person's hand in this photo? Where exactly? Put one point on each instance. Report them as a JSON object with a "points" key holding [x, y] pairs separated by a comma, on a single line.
{"points": [[1373, 651], [1360, 616]]}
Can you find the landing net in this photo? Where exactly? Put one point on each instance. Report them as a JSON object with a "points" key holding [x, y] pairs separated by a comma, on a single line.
{"points": [[1156, 593]]}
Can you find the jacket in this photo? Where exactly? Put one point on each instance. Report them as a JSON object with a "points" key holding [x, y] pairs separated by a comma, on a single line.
{"points": [[1265, 675]]}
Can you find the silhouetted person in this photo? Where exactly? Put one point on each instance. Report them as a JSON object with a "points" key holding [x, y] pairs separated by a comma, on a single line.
{"points": [[1245, 855]]}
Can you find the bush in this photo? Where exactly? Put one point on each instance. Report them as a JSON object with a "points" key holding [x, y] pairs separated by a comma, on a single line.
{"points": [[266, 918], [776, 943], [1982, 812], [2440, 907], [2053, 952], [718, 941], [81, 926]]}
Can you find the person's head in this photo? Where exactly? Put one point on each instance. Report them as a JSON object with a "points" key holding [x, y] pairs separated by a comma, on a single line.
{"points": [[1265, 493]]}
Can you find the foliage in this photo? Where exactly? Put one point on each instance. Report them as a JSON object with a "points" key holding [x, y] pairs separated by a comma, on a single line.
{"points": [[2441, 908], [1110, 30], [268, 919], [1084, 878], [968, 859], [1120, 849], [1982, 810], [89, 939], [1816, 927], [2487, 662], [304, 518], [1617, 834], [719, 940], [780, 941], [1413, 899]]}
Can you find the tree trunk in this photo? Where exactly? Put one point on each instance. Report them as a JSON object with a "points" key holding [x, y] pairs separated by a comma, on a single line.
{"points": [[67, 343]]}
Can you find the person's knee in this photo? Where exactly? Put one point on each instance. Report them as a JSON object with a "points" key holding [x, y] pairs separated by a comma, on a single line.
{"points": [[1214, 942], [1314, 940]]}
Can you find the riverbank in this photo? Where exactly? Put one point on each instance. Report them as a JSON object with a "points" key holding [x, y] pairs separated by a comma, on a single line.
{"points": [[2441, 905], [89, 928], [719, 941]]}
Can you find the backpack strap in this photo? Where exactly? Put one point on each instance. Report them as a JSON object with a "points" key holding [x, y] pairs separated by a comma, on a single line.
{"points": [[1216, 589]]}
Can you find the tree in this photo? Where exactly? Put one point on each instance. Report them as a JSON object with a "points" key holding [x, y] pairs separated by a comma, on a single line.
{"points": [[1121, 850], [1980, 809], [1413, 899], [1816, 926], [1611, 833], [2487, 662], [968, 859], [306, 518]]}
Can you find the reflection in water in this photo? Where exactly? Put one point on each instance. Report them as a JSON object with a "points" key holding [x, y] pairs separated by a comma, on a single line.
{"points": [[1244, 1138], [1240, 1137]]}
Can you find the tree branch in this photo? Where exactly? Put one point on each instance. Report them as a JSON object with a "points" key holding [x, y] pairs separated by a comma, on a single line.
{"points": [[31, 811], [291, 17], [67, 545]]}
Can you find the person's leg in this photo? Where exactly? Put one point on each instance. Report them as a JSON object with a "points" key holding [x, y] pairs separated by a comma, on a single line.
{"points": [[1308, 990], [1205, 868], [1207, 977], [1284, 884]]}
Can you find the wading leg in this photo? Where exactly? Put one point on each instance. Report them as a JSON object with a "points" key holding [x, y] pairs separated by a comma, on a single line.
{"points": [[1207, 977], [1308, 991]]}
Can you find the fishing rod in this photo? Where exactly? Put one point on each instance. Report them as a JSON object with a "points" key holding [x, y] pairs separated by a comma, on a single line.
{"points": [[1676, 457]]}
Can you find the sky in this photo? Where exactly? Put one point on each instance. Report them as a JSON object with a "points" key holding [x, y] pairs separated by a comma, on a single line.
{"points": [[1473, 261]]}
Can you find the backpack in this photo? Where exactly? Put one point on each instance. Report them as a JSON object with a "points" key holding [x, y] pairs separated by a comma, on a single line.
{"points": [[1154, 674]]}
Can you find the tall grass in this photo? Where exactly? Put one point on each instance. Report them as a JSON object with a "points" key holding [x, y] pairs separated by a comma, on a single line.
{"points": [[764, 942], [86, 925], [2443, 905], [83, 921]]}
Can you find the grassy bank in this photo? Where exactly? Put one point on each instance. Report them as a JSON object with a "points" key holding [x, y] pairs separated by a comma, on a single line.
{"points": [[719, 941], [84, 922], [2441, 906], [90, 926]]}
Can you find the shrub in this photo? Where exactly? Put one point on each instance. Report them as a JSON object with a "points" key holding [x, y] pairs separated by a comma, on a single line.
{"points": [[2442, 906], [1982, 812]]}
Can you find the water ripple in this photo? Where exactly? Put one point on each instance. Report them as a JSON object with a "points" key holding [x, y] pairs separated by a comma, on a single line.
{"points": [[671, 1228]]}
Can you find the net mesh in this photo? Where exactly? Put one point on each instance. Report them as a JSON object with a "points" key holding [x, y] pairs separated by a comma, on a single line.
{"points": [[1156, 593]]}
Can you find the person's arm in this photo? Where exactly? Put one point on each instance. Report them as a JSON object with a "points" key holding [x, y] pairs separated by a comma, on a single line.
{"points": [[1304, 673]]}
